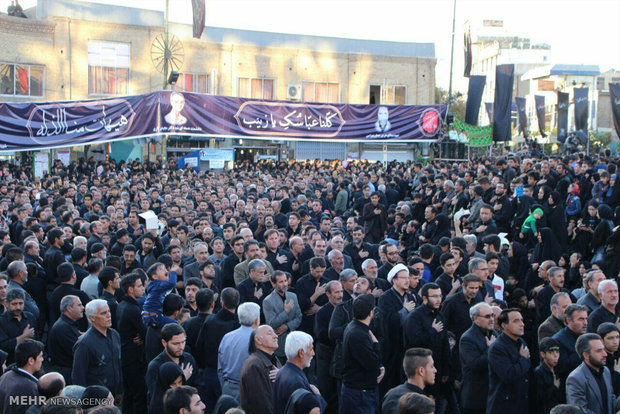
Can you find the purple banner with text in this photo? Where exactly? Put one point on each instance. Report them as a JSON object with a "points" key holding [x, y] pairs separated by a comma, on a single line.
{"points": [[30, 126]]}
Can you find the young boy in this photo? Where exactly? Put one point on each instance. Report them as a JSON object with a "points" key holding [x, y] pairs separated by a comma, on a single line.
{"points": [[161, 282], [548, 386]]}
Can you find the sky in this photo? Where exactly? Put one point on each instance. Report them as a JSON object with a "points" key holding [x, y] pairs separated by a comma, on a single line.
{"points": [[579, 31]]}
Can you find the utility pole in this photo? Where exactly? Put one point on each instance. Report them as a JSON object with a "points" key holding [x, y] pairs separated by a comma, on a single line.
{"points": [[452, 54], [167, 53]]}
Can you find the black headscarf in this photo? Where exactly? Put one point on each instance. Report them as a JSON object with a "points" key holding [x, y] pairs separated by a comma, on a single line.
{"points": [[556, 219], [168, 373], [549, 247]]}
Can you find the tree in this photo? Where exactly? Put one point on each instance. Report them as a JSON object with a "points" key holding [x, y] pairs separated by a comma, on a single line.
{"points": [[458, 102]]}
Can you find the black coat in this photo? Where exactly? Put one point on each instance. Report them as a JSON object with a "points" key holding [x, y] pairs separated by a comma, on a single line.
{"points": [[419, 333], [547, 395], [508, 377], [474, 357], [392, 315], [211, 334]]}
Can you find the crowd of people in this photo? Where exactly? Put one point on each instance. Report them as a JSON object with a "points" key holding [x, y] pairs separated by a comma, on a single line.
{"points": [[486, 286]]}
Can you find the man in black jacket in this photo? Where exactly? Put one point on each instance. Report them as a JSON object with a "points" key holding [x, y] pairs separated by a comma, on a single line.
{"points": [[53, 257], [63, 336], [456, 308], [362, 361], [209, 338], [375, 219], [420, 371], [326, 383], [425, 328], [173, 337], [205, 301], [549, 392], [133, 334], [474, 356], [509, 366], [67, 279], [394, 305]]}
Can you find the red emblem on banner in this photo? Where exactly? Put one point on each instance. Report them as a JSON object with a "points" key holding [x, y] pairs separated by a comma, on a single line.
{"points": [[430, 122]]}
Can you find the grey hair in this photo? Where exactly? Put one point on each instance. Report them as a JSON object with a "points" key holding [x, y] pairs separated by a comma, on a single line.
{"points": [[294, 240], [245, 230], [475, 263], [367, 263], [471, 238], [93, 306], [583, 343], [67, 301], [248, 313], [13, 294], [551, 272], [14, 268], [255, 264], [602, 285], [556, 298], [296, 341], [330, 284], [333, 253], [590, 275], [347, 274], [72, 391], [197, 245], [475, 310], [30, 243], [77, 239]]}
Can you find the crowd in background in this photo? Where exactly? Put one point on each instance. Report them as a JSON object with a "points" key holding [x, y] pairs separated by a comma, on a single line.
{"points": [[486, 286]]}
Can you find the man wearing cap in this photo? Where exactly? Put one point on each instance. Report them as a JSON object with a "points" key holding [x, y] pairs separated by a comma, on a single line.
{"points": [[122, 240], [394, 304], [547, 383], [374, 216]]}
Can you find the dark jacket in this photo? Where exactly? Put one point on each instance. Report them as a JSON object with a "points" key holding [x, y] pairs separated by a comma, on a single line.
{"points": [[16, 383], [361, 357], [97, 360], [211, 334], [130, 325], [456, 312], [256, 389], [569, 359], [549, 327], [508, 377], [60, 341], [474, 357], [547, 395], [420, 333], [342, 315], [390, 401], [153, 370]]}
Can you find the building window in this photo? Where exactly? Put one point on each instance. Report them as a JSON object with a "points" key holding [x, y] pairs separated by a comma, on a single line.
{"points": [[108, 68], [321, 92], [256, 88], [21, 80], [193, 82], [387, 95]]}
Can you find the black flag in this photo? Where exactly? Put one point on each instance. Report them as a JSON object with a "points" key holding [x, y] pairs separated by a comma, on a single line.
{"points": [[614, 95], [562, 116], [522, 116], [489, 107], [468, 57], [581, 109], [540, 113], [198, 10], [502, 103], [474, 98]]}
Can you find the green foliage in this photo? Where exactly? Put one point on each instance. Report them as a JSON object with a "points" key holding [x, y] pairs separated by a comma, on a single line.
{"points": [[458, 101]]}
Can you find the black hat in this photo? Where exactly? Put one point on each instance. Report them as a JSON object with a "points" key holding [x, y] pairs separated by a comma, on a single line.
{"points": [[121, 233], [96, 247], [548, 344]]}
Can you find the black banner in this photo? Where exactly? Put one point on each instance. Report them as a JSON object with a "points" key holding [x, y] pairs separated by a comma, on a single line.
{"points": [[614, 97], [502, 103], [474, 99], [489, 107], [540, 113], [468, 57], [520, 102], [198, 13], [562, 116], [581, 109]]}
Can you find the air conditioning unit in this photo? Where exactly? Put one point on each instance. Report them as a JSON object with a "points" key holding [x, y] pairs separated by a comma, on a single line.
{"points": [[293, 92]]}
